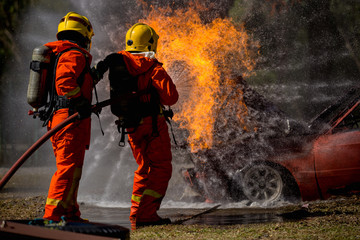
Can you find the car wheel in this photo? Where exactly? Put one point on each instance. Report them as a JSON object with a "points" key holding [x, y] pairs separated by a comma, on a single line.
{"points": [[262, 183]]}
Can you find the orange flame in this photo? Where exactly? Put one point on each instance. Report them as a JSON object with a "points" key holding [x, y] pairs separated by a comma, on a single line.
{"points": [[208, 56]]}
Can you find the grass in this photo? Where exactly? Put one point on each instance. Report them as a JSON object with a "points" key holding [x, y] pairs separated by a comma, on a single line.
{"points": [[326, 227], [334, 219]]}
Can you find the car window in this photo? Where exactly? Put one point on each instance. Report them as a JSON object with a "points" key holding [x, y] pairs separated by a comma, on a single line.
{"points": [[352, 121]]}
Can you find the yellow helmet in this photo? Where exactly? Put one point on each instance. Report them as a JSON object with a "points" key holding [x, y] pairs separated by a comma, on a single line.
{"points": [[75, 22], [141, 38]]}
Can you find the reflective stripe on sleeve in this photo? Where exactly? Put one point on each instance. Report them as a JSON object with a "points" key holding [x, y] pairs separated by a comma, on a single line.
{"points": [[73, 92]]}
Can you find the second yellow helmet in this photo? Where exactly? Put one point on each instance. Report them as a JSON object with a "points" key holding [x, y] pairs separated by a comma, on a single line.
{"points": [[141, 38]]}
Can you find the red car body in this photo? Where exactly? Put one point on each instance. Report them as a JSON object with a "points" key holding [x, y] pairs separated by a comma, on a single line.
{"points": [[330, 162], [325, 162]]}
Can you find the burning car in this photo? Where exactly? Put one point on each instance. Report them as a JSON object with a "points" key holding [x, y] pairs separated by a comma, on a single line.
{"points": [[291, 161]]}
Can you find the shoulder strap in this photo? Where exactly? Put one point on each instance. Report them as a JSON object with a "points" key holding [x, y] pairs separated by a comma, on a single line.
{"points": [[148, 90], [80, 79]]}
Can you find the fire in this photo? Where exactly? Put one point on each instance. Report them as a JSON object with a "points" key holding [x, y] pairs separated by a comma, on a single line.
{"points": [[202, 59]]}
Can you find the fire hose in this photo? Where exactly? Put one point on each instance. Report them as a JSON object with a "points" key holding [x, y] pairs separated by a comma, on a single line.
{"points": [[95, 108]]}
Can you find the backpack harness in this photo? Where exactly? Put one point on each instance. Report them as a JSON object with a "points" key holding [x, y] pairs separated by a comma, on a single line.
{"points": [[56, 102], [131, 110]]}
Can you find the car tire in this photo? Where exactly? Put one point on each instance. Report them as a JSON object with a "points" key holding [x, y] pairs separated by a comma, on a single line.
{"points": [[265, 182]]}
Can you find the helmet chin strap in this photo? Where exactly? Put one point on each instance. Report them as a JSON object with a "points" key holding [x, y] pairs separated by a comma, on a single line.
{"points": [[88, 46]]}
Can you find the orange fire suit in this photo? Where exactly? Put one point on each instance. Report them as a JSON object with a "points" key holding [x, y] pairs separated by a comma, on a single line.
{"points": [[152, 154], [69, 143]]}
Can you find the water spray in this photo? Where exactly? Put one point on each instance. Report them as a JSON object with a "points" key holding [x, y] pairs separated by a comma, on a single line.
{"points": [[95, 109]]}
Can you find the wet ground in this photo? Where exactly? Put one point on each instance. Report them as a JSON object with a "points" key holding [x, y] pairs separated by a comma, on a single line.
{"points": [[224, 215], [120, 216], [227, 214], [219, 216]]}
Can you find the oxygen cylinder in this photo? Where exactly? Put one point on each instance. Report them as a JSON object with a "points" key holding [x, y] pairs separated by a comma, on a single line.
{"points": [[39, 73]]}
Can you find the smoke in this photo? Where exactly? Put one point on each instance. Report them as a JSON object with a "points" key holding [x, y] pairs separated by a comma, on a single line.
{"points": [[19, 130], [108, 169]]}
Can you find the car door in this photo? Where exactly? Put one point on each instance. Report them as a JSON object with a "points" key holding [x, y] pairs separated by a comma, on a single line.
{"points": [[337, 153]]}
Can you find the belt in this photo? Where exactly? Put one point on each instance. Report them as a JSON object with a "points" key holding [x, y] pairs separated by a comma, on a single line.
{"points": [[61, 102]]}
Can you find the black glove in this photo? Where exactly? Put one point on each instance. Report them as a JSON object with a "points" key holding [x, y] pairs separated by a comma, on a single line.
{"points": [[97, 72], [113, 59], [82, 106]]}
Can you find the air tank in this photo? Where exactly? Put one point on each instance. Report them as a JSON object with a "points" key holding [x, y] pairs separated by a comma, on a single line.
{"points": [[39, 80]]}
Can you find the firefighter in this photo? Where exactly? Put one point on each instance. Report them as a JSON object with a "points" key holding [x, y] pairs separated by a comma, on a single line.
{"points": [[152, 152], [74, 85]]}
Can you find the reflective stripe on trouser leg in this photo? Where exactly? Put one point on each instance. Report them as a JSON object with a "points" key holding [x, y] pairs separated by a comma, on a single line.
{"points": [[146, 192], [66, 203], [147, 201], [69, 149], [153, 155], [136, 198]]}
